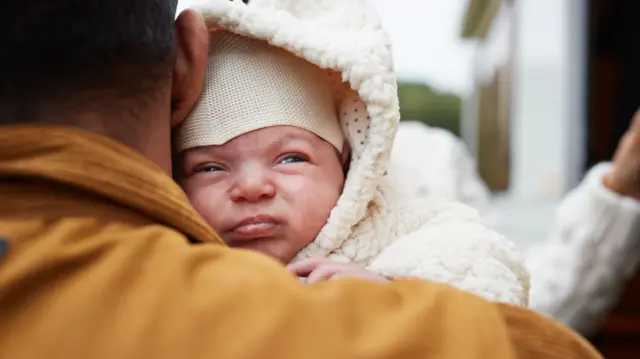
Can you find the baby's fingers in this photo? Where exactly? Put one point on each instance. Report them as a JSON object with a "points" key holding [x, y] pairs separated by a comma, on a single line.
{"points": [[324, 272], [304, 267]]}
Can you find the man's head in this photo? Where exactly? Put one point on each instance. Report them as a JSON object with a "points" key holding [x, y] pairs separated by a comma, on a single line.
{"points": [[116, 67]]}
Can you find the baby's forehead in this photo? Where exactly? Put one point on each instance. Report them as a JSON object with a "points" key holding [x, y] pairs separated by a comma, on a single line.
{"points": [[272, 137], [275, 135]]}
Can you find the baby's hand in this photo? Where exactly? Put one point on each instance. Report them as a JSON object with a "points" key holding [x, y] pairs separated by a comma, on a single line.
{"points": [[319, 269]]}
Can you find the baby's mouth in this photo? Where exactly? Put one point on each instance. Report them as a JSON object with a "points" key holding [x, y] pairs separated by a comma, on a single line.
{"points": [[260, 226], [261, 229]]}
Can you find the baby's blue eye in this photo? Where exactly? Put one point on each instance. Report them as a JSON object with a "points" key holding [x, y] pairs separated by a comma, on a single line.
{"points": [[208, 168], [293, 159]]}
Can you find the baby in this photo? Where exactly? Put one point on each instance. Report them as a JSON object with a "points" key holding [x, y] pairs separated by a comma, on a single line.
{"points": [[286, 153]]}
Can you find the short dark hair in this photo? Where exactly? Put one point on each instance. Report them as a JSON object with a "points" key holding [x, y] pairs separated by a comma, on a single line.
{"points": [[56, 50]]}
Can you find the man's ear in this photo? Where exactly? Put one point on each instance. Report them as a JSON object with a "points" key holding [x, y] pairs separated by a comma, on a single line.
{"points": [[192, 48]]}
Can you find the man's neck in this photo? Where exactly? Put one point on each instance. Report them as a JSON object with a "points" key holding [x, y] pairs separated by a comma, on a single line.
{"points": [[147, 132], [142, 125], [150, 136]]}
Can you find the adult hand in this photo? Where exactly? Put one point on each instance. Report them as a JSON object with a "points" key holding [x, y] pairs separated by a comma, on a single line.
{"points": [[624, 178], [319, 269]]}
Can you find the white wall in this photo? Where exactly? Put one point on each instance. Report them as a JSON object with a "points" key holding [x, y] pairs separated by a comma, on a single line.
{"points": [[548, 120], [548, 126]]}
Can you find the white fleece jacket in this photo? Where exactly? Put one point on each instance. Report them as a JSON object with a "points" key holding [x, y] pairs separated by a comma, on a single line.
{"points": [[593, 248], [372, 224]]}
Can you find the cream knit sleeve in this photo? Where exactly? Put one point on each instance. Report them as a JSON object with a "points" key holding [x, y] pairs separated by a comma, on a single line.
{"points": [[594, 247]]}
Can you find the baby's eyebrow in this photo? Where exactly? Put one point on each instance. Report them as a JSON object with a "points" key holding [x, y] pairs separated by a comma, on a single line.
{"points": [[289, 139], [203, 153], [205, 150]]}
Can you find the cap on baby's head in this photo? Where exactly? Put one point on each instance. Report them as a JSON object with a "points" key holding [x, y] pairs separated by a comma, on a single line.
{"points": [[250, 85]]}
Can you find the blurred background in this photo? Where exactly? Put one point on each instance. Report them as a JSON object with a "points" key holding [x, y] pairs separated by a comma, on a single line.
{"points": [[538, 90]]}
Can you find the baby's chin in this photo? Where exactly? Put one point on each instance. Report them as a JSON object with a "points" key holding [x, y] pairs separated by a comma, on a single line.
{"points": [[270, 246]]}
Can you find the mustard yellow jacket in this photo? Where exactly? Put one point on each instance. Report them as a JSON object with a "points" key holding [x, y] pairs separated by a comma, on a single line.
{"points": [[101, 256]]}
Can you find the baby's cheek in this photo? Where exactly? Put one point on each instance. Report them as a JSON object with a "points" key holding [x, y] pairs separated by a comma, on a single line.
{"points": [[314, 203], [202, 200], [190, 188]]}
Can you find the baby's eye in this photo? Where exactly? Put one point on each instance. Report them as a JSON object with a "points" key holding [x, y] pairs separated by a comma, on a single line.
{"points": [[292, 159], [208, 168]]}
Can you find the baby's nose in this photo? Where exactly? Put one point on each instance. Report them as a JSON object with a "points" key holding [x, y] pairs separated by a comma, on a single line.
{"points": [[253, 188]]}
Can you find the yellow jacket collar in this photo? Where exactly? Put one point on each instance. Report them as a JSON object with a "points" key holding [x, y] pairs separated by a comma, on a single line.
{"points": [[101, 166]]}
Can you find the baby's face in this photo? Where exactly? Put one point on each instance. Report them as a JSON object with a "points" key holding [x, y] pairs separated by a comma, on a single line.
{"points": [[269, 190]]}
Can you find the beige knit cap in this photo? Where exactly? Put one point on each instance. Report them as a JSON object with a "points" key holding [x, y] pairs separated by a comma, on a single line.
{"points": [[251, 85]]}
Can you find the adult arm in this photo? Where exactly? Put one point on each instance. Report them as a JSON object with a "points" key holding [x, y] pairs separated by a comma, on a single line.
{"points": [[147, 293], [594, 247]]}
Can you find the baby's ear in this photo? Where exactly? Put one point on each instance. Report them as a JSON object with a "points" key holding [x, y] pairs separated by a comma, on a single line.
{"points": [[345, 156]]}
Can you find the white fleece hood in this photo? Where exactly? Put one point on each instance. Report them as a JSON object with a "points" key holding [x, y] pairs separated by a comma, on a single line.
{"points": [[340, 35], [433, 239]]}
